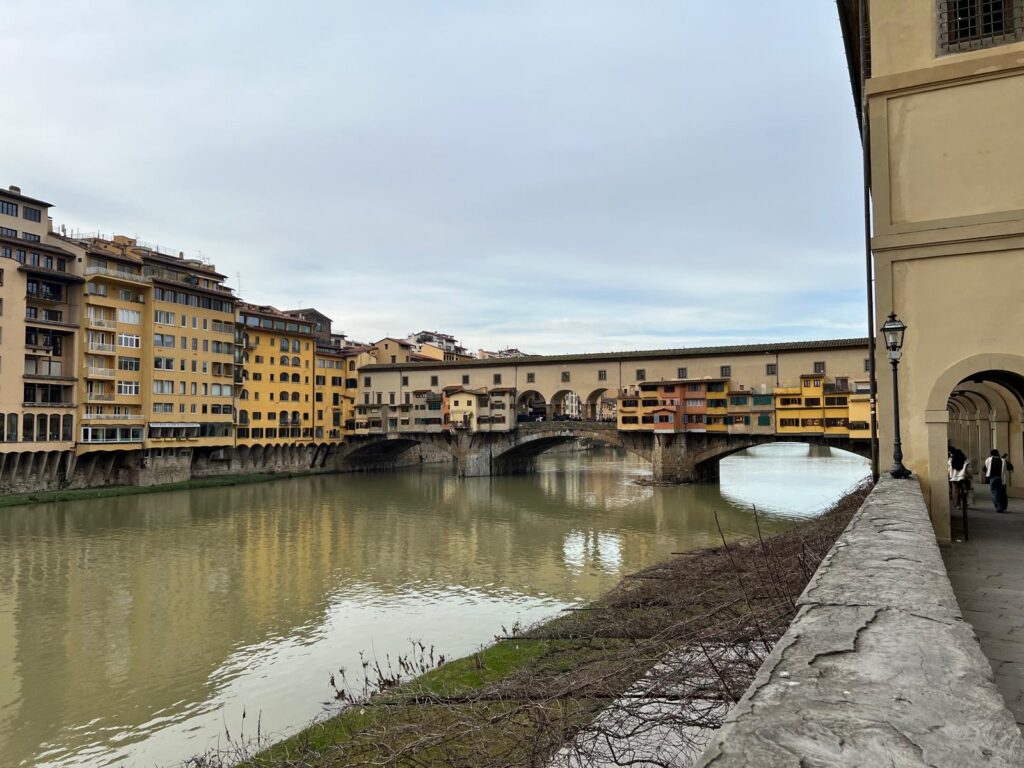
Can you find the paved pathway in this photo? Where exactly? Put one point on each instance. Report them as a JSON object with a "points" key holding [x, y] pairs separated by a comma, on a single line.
{"points": [[987, 573]]}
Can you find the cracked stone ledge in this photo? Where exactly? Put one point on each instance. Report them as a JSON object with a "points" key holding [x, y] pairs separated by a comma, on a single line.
{"points": [[878, 667]]}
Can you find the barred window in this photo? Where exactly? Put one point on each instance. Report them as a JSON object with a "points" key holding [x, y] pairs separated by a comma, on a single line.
{"points": [[966, 25]]}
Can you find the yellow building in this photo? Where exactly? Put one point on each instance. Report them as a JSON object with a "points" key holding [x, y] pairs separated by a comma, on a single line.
{"points": [[117, 362], [275, 405], [717, 406], [40, 305], [943, 89]]}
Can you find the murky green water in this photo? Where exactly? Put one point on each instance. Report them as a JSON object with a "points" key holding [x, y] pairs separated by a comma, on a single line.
{"points": [[136, 630]]}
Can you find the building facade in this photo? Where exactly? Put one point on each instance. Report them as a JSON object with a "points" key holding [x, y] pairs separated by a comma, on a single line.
{"points": [[940, 84]]}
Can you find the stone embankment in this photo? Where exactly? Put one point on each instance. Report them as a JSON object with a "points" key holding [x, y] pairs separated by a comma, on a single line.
{"points": [[878, 668]]}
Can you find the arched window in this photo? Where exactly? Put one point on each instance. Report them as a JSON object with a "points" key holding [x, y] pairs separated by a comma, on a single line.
{"points": [[55, 426], [283, 418], [283, 397], [243, 417], [41, 427], [243, 394], [296, 397], [67, 428], [295, 345], [295, 378], [284, 360], [12, 427], [3, 421], [296, 362], [28, 427]]}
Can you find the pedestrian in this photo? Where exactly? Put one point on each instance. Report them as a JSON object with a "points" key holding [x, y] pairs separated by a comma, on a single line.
{"points": [[959, 476], [997, 475]]}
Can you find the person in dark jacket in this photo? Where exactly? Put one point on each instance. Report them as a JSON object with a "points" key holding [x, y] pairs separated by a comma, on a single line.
{"points": [[997, 474]]}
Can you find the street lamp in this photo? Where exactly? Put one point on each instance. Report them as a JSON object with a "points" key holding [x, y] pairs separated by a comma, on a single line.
{"points": [[893, 330]]}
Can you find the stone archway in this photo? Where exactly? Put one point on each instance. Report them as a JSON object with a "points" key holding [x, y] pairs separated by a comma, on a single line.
{"points": [[531, 404], [977, 401], [599, 406]]}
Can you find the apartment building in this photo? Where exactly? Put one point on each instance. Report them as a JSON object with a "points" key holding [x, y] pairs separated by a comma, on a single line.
{"points": [[172, 347], [275, 405], [40, 307], [116, 360]]}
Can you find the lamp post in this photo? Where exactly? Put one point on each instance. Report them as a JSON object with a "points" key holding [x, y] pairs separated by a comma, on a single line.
{"points": [[893, 330]]}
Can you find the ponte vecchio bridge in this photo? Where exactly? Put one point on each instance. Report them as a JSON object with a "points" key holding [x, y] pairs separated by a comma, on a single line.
{"points": [[681, 409]]}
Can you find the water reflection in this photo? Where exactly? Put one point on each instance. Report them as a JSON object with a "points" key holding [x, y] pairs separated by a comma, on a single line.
{"points": [[133, 629]]}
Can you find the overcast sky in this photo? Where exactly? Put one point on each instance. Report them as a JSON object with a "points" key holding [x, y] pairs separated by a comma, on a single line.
{"points": [[554, 175]]}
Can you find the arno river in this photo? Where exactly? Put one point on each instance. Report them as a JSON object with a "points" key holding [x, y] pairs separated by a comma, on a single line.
{"points": [[136, 630]]}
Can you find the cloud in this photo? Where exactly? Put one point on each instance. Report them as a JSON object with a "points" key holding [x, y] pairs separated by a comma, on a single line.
{"points": [[566, 176]]}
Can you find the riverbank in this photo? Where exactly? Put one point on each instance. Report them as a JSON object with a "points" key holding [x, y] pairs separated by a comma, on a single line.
{"points": [[694, 629], [79, 494]]}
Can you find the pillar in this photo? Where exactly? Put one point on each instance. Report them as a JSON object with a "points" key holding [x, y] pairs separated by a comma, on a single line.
{"points": [[670, 460], [935, 486]]}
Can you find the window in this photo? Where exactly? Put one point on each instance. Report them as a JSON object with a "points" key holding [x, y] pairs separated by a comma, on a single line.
{"points": [[835, 401], [30, 237], [602, 375], [163, 363], [163, 407], [867, 364], [30, 214], [681, 373], [789, 422], [725, 371], [531, 378], [128, 363], [366, 381], [405, 380], [641, 374], [11, 209], [8, 232], [771, 369], [96, 289], [129, 316], [129, 340], [497, 378], [433, 381], [127, 387], [970, 24], [163, 318], [819, 367], [465, 378], [162, 387], [565, 376]]}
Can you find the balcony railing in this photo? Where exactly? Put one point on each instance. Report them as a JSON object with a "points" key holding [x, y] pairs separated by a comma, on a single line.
{"points": [[96, 346], [117, 274], [102, 373], [113, 416], [101, 322], [105, 397]]}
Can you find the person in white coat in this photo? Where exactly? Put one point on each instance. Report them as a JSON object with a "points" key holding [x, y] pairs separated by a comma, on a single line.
{"points": [[959, 474]]}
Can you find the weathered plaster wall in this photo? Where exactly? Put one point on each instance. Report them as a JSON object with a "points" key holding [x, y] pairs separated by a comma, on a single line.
{"points": [[879, 667]]}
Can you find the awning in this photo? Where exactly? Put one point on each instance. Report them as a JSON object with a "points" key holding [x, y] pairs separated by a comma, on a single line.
{"points": [[173, 424]]}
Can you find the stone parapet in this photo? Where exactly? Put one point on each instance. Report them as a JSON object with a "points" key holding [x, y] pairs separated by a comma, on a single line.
{"points": [[878, 668]]}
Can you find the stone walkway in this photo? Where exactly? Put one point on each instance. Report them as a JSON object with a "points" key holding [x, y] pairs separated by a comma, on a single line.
{"points": [[987, 573]]}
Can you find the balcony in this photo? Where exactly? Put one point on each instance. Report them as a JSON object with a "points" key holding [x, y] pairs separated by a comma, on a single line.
{"points": [[100, 397], [47, 317], [113, 417], [96, 346], [101, 322], [50, 296], [101, 373], [117, 274], [40, 404]]}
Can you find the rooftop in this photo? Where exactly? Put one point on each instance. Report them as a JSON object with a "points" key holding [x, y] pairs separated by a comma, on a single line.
{"points": [[649, 354]]}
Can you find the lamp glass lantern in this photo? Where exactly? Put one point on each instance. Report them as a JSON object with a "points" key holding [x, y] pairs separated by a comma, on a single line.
{"points": [[892, 330]]}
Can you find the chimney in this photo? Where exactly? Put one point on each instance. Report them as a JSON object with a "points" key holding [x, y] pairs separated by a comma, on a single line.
{"points": [[14, 189]]}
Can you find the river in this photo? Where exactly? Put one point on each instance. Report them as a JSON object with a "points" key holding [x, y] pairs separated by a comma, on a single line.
{"points": [[137, 630]]}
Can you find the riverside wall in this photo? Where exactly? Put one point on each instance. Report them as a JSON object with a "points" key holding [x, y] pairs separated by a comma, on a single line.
{"points": [[879, 667]]}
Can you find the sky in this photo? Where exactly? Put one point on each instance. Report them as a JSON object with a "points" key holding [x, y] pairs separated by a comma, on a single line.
{"points": [[552, 175]]}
